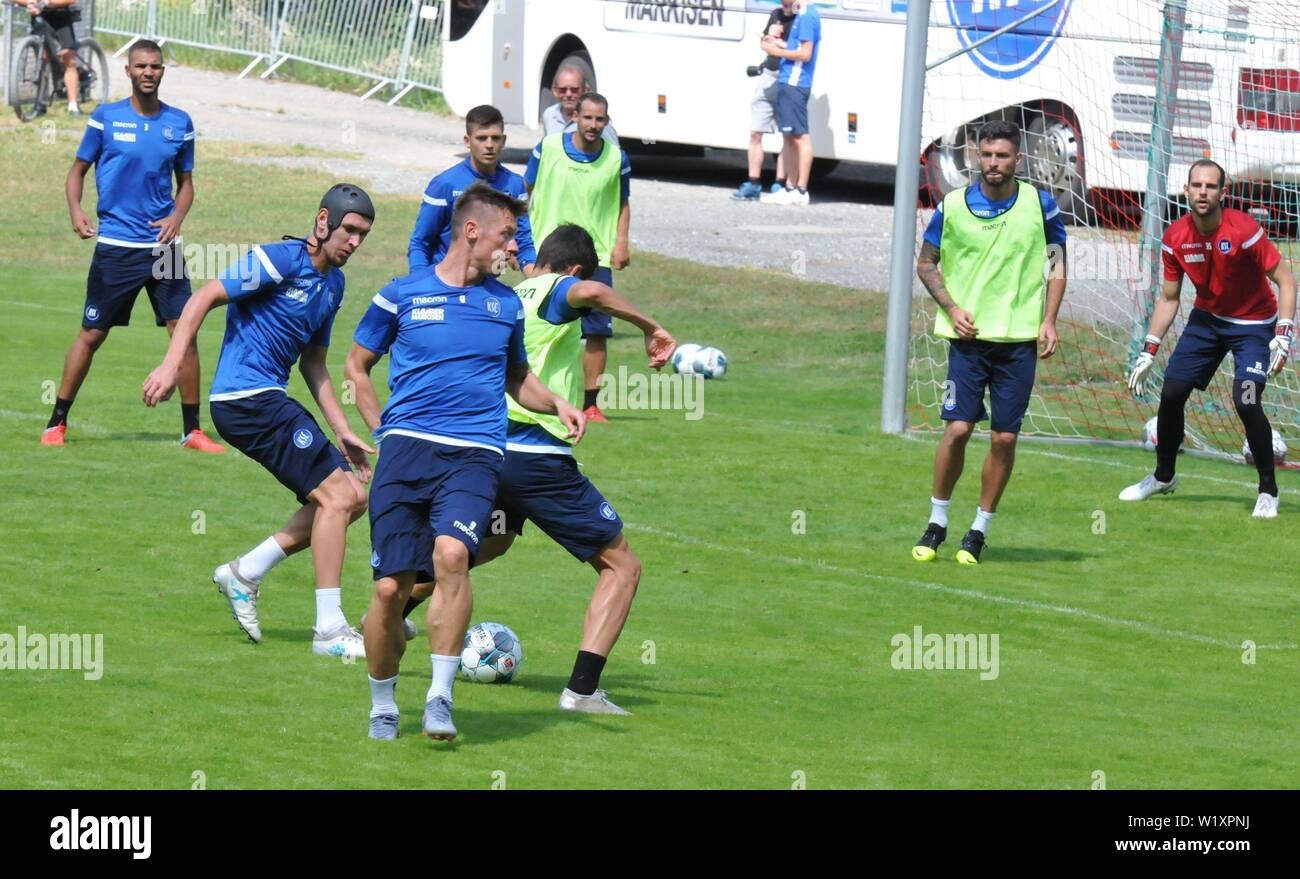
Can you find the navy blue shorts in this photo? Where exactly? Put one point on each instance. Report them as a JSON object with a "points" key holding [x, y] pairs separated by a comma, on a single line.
{"points": [[792, 109], [422, 490], [1207, 339], [550, 490], [597, 323], [1006, 369], [117, 275], [276, 431]]}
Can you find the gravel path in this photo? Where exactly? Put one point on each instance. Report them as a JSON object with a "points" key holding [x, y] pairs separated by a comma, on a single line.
{"points": [[834, 240]]}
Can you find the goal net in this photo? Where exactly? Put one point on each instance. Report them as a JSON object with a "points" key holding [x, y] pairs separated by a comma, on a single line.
{"points": [[1115, 99]]}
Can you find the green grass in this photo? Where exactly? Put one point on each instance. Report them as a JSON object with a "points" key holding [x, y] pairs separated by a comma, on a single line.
{"points": [[1119, 651]]}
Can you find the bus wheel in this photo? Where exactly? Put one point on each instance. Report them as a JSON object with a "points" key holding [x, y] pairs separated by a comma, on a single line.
{"points": [[1054, 161], [823, 168], [949, 163]]}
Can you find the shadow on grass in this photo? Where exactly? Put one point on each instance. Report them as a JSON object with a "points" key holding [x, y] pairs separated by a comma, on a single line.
{"points": [[1036, 554]]}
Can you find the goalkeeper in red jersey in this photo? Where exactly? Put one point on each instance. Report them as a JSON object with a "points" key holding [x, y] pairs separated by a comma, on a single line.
{"points": [[1230, 262]]}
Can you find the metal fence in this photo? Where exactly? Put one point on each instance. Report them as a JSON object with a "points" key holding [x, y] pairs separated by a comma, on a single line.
{"points": [[394, 42]]}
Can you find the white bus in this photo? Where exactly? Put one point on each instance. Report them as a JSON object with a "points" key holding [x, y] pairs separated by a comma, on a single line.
{"points": [[1079, 77]]}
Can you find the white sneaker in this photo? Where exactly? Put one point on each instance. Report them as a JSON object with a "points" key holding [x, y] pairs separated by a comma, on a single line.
{"points": [[597, 703], [241, 595], [345, 642], [782, 197], [1147, 487], [799, 199], [408, 628], [1265, 507]]}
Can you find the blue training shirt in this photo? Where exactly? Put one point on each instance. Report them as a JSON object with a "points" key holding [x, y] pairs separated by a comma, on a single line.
{"points": [[432, 234], [624, 172], [982, 206], [807, 28], [279, 304], [531, 437], [135, 158], [449, 349]]}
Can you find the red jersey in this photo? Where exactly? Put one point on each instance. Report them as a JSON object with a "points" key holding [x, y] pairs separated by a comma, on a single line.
{"points": [[1229, 266]]}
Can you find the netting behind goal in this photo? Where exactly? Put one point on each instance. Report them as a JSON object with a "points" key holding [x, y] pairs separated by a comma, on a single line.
{"points": [[1085, 80]]}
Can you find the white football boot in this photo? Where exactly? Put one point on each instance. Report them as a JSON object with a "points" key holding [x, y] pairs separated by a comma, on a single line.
{"points": [[344, 642], [1147, 487], [241, 595], [597, 703], [1265, 507]]}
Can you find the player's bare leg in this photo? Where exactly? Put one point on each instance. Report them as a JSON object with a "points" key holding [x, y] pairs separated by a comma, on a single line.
{"points": [[998, 465], [619, 572], [339, 500], [71, 79], [447, 621], [595, 353], [949, 461], [384, 648], [76, 365]]}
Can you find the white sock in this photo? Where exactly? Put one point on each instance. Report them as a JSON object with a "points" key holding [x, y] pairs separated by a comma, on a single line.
{"points": [[72, 106], [329, 609], [382, 696], [444, 675], [982, 520], [258, 561], [939, 512]]}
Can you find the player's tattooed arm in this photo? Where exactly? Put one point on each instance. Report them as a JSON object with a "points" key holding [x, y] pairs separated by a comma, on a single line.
{"points": [[927, 269]]}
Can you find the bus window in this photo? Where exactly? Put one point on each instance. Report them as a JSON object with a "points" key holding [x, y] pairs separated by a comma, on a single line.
{"points": [[463, 15]]}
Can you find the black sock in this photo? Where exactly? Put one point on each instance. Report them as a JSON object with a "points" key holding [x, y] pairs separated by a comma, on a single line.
{"points": [[1259, 433], [589, 397], [586, 673], [780, 181], [754, 180], [803, 190], [411, 604], [1169, 426], [190, 417], [60, 416]]}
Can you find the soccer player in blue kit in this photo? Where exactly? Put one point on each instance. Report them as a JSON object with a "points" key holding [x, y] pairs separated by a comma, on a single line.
{"points": [[455, 336], [283, 299], [137, 145], [485, 138]]}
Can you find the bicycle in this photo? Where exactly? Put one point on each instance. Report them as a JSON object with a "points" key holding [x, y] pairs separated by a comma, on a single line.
{"points": [[37, 73]]}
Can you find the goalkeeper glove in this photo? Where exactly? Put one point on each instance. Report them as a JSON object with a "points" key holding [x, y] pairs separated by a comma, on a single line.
{"points": [[1147, 359], [1280, 348]]}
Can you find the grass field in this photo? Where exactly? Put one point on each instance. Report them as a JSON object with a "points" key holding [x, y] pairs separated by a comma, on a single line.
{"points": [[1120, 652]]}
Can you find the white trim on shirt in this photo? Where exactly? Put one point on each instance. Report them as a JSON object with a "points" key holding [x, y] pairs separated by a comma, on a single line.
{"points": [[1253, 238], [439, 438], [239, 395], [436, 202], [266, 264], [94, 124], [529, 449], [138, 245], [1239, 321], [383, 303]]}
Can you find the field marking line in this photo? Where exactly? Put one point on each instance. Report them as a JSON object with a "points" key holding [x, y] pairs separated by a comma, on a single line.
{"points": [[973, 594], [40, 305], [87, 426], [1079, 459]]}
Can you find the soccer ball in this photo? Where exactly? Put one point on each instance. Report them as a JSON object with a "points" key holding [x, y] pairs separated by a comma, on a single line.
{"points": [[1149, 434], [492, 654], [1279, 450], [711, 363], [684, 358]]}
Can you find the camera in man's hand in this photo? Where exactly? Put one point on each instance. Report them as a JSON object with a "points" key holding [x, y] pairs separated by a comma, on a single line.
{"points": [[754, 70]]}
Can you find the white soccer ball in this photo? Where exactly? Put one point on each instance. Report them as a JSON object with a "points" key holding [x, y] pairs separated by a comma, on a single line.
{"points": [[711, 363], [1279, 450], [1149, 434], [684, 358], [492, 654]]}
